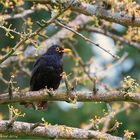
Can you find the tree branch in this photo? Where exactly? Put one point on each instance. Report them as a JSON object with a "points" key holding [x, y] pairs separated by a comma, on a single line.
{"points": [[90, 10], [106, 120], [85, 38], [113, 36], [20, 15], [84, 96], [53, 131], [77, 23], [28, 36]]}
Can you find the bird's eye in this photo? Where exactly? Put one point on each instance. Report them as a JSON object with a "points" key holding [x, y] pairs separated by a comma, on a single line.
{"points": [[57, 49]]}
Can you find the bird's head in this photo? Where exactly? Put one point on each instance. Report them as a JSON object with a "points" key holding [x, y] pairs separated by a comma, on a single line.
{"points": [[56, 49]]}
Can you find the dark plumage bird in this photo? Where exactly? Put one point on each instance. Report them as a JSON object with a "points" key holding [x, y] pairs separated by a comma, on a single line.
{"points": [[47, 71]]}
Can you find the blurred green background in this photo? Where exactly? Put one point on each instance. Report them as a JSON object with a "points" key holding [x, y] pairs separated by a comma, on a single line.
{"points": [[79, 114]]}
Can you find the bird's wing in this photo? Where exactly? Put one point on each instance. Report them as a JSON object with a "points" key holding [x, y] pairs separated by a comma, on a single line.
{"points": [[39, 71], [41, 63]]}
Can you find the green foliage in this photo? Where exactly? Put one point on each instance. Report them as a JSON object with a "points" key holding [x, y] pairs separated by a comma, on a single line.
{"points": [[75, 117]]}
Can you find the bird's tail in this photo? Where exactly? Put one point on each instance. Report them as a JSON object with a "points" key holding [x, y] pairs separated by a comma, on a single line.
{"points": [[36, 105]]}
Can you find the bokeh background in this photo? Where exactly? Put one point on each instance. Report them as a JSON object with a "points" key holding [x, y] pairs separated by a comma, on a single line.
{"points": [[79, 114]]}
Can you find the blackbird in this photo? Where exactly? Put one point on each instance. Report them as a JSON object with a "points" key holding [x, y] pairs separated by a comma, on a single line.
{"points": [[47, 71]]}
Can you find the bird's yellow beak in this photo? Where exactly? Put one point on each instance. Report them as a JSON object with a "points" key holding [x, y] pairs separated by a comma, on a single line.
{"points": [[66, 50]]}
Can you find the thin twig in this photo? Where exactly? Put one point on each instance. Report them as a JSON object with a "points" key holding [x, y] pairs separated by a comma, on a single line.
{"points": [[120, 61], [67, 83], [113, 36], [85, 38], [111, 115], [108, 118], [81, 62], [20, 15], [79, 21], [10, 30], [28, 36]]}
